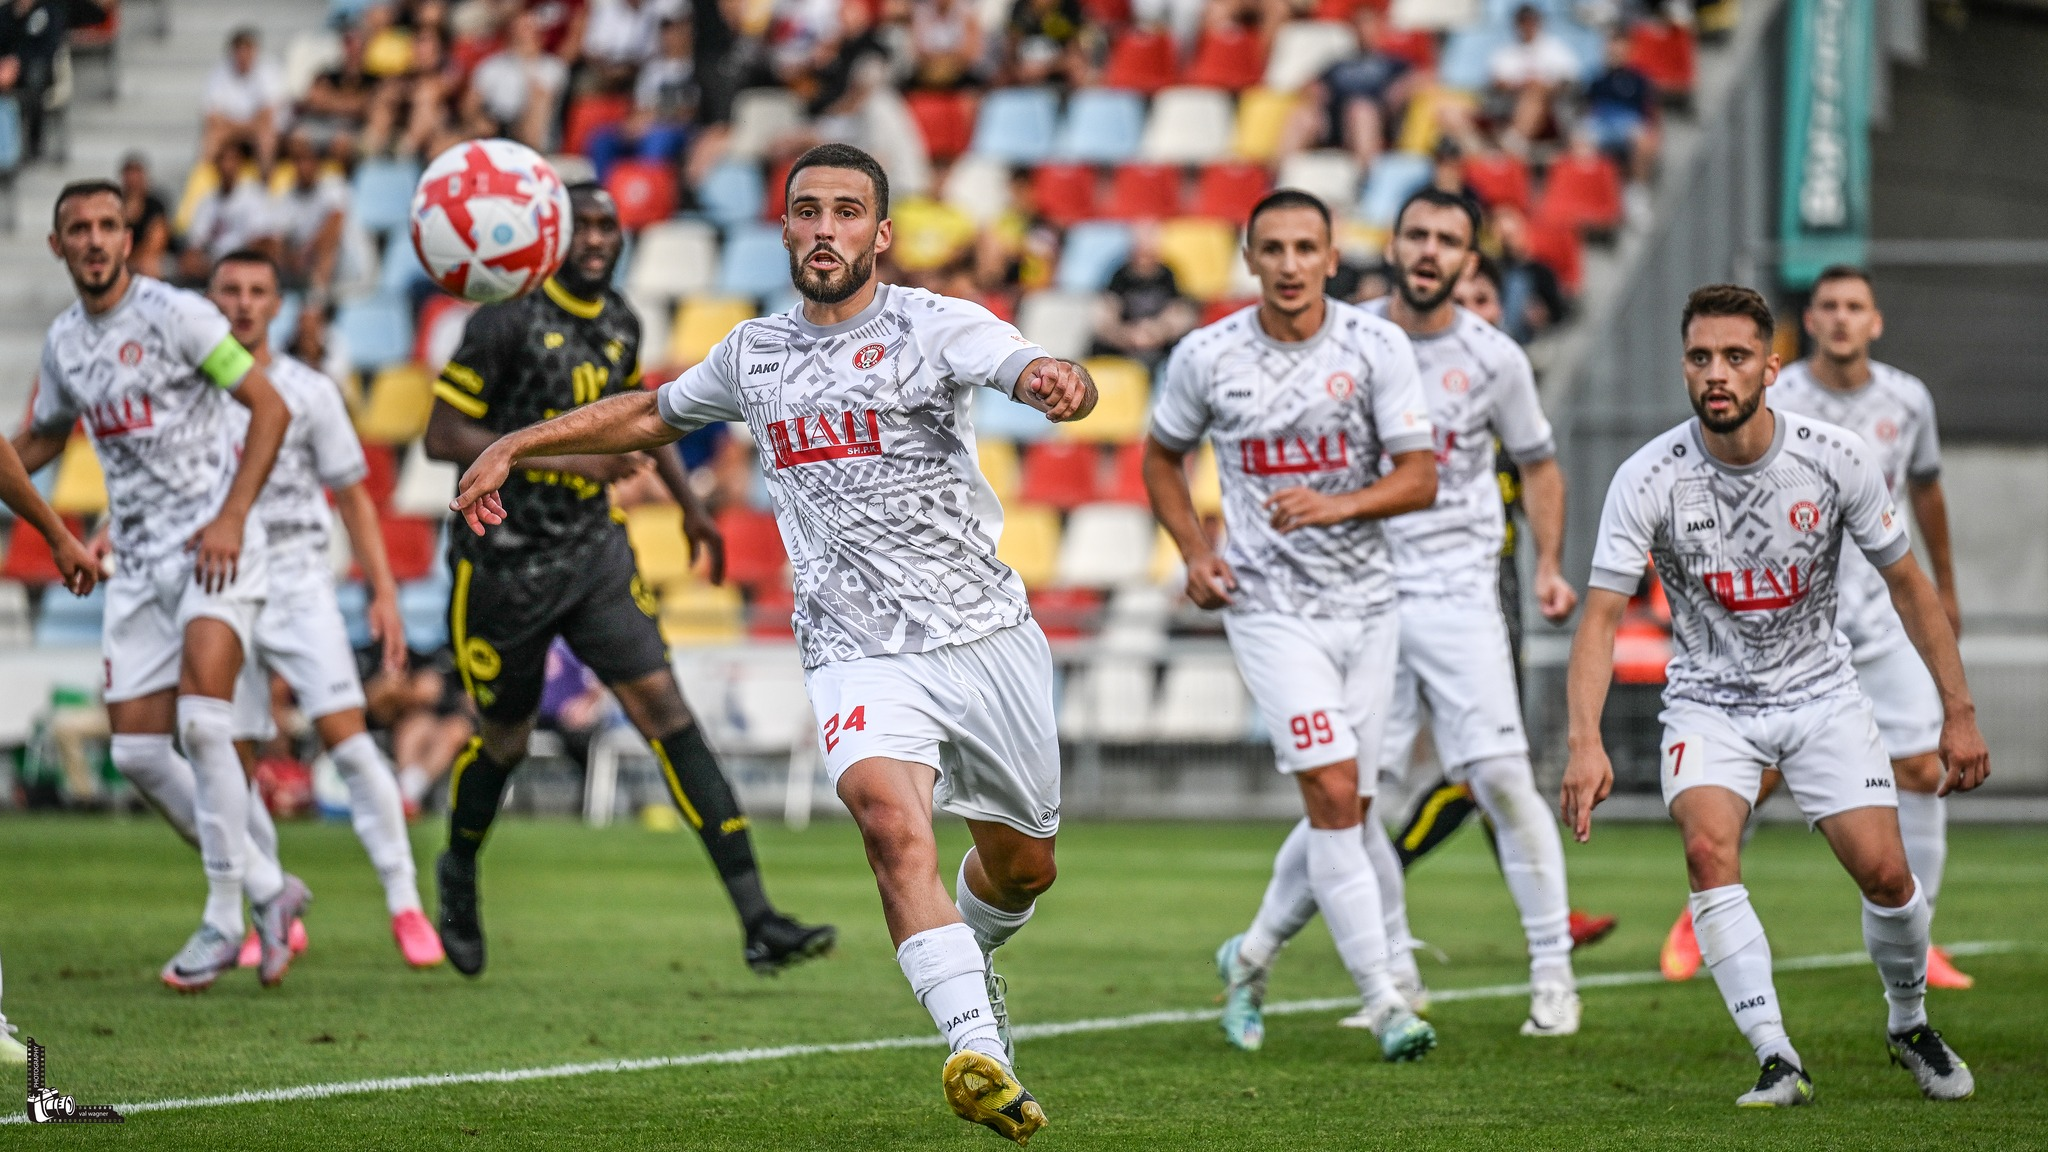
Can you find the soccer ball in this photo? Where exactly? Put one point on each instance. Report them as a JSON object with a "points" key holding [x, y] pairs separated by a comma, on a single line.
{"points": [[490, 220]]}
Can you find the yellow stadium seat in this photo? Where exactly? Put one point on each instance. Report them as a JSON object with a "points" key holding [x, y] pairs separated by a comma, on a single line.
{"points": [[401, 398], [1125, 391], [199, 184], [1261, 116], [1030, 543], [81, 486], [1363, 241], [1200, 253], [928, 234], [1166, 561], [659, 549], [1423, 125], [998, 459], [701, 322], [698, 613], [1205, 484]]}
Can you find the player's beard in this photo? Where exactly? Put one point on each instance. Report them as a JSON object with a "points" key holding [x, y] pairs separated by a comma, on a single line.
{"points": [[100, 287], [1723, 426], [835, 286], [1446, 285]]}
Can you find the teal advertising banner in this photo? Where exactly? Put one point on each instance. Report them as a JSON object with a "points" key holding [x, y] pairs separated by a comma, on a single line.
{"points": [[1824, 204]]}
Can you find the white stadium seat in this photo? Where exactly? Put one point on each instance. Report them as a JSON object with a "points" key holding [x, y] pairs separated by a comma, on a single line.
{"points": [[978, 186], [1304, 49], [674, 258], [1106, 545], [1189, 126], [424, 484], [1109, 699], [1328, 174], [1062, 323], [760, 117], [1203, 698]]}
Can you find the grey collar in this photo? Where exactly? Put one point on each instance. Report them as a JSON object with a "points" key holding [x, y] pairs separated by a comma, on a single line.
{"points": [[821, 332], [1759, 464]]}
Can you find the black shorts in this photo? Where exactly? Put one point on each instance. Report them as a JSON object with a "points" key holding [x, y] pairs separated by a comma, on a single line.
{"points": [[501, 619]]}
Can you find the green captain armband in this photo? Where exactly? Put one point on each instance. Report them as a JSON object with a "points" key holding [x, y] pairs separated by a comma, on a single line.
{"points": [[227, 363]]}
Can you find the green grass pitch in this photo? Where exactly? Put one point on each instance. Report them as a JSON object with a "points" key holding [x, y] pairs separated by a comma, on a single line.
{"points": [[617, 944]]}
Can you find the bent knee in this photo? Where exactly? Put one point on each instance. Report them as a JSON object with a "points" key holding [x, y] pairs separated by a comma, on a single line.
{"points": [[1889, 885], [1026, 877]]}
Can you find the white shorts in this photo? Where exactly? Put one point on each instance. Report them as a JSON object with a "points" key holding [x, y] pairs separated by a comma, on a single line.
{"points": [[1908, 704], [1455, 655], [142, 641], [980, 713], [1322, 685], [1827, 749], [301, 636]]}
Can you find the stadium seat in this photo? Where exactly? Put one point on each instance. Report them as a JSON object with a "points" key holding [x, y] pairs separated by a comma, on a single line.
{"points": [[673, 259], [978, 186], [588, 114], [1304, 49], [306, 55], [1188, 126], [701, 322], [1216, 310], [731, 194], [1205, 482], [1262, 115], [1135, 621], [1202, 698], [400, 400], [1414, 45], [1102, 126], [1140, 60], [696, 613], [28, 555], [1143, 192], [81, 486], [1106, 545], [1229, 191], [1126, 395], [1030, 543], [1582, 190], [754, 262], [410, 542], [1228, 57], [761, 117], [1064, 193], [945, 120], [442, 319], [1127, 474], [999, 465], [425, 485], [1067, 613], [399, 269], [1016, 125], [380, 476], [1329, 174], [1110, 699], [769, 615], [661, 554], [754, 556], [929, 234], [423, 609], [1061, 474], [1395, 176], [1556, 246], [1466, 53], [16, 629], [645, 190], [998, 415], [1062, 323], [1663, 52], [381, 194], [376, 330], [1499, 178], [1093, 252], [775, 190], [1201, 253], [71, 621]]}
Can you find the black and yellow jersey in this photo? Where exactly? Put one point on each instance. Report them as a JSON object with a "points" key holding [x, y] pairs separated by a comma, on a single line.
{"points": [[521, 362]]}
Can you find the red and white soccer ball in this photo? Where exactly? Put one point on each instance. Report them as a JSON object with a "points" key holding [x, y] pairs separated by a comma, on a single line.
{"points": [[490, 220]]}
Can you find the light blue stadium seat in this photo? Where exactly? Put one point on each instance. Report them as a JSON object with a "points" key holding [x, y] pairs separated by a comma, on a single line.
{"points": [[382, 195], [1394, 177], [354, 599], [754, 262], [1094, 250], [732, 193], [1103, 126], [378, 330], [10, 134], [1001, 418], [1462, 63], [287, 321], [70, 621], [400, 269], [344, 13], [1016, 124], [423, 606]]}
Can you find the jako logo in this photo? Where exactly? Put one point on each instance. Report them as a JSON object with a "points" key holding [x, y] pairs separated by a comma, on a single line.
{"points": [[758, 369], [964, 1017], [811, 439], [1757, 590], [1752, 1002], [1706, 525], [1876, 782], [1294, 455], [867, 356]]}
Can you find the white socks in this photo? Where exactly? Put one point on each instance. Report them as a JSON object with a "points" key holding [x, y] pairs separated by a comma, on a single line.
{"points": [[1348, 895], [1531, 859], [1288, 905], [264, 873], [1923, 825], [151, 763], [991, 925], [378, 813], [1733, 945], [206, 728], [414, 783], [1897, 941], [946, 970], [1386, 868]]}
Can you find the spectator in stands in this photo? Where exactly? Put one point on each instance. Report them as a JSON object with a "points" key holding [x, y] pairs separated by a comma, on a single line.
{"points": [[945, 43], [665, 98], [32, 32], [732, 58], [518, 89], [149, 220], [1532, 299], [854, 102], [423, 110], [308, 215], [619, 36], [245, 97], [338, 101], [234, 215], [1142, 313], [1479, 290], [1528, 74], [1044, 42], [425, 711], [1351, 105], [1358, 281], [315, 342], [1621, 107]]}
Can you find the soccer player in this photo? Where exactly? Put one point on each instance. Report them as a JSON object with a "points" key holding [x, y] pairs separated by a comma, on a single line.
{"points": [[1894, 413], [13, 1051], [1301, 395], [932, 682], [1745, 510], [299, 632], [564, 568], [152, 370]]}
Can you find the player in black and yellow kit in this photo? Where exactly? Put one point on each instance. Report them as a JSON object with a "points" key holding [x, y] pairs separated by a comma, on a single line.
{"points": [[560, 566]]}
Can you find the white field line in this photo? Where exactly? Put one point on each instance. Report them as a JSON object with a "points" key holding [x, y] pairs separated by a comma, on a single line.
{"points": [[1021, 1032]]}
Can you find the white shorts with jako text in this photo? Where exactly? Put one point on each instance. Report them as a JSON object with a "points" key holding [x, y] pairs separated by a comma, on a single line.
{"points": [[1322, 685], [1828, 750]]}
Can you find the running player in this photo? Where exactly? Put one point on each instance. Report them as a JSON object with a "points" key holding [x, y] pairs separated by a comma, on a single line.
{"points": [[1894, 413], [933, 683], [1745, 510], [152, 370], [1300, 395], [564, 568], [299, 632]]}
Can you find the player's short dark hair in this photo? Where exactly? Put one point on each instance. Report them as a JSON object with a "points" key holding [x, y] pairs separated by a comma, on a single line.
{"points": [[1439, 198], [850, 158], [1845, 272], [590, 188], [1286, 198], [78, 190], [1729, 300], [1488, 269], [249, 256]]}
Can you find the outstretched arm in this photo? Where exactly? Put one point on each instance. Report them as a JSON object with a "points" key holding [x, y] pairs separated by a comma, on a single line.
{"points": [[1920, 609], [1061, 389], [1588, 777], [630, 422], [460, 439], [77, 565]]}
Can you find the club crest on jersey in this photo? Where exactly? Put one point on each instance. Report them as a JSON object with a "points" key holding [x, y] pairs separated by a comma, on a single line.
{"points": [[1758, 589], [1805, 516], [1294, 455], [1886, 431], [130, 354], [867, 356], [1340, 386], [1456, 382], [825, 436]]}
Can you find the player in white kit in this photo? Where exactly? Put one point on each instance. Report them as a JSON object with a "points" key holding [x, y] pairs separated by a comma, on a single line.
{"points": [[1300, 396], [152, 371], [300, 633], [932, 683], [1745, 511]]}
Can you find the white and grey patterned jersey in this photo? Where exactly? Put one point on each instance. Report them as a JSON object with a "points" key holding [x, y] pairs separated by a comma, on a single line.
{"points": [[320, 452], [1478, 385], [870, 459], [150, 378], [1315, 413], [1894, 413], [1748, 556]]}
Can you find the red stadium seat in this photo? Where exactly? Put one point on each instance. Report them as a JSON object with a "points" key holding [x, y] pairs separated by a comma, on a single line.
{"points": [[1127, 476], [754, 556], [1216, 310], [409, 541], [1556, 246], [772, 202], [1342, 10], [768, 613], [1107, 13], [588, 114], [1582, 191], [1499, 178], [1663, 53], [1415, 45], [645, 191], [1143, 192], [1229, 191], [1141, 60], [381, 478], [29, 560], [1230, 57], [1064, 474], [439, 310], [1064, 193], [945, 119], [1067, 613]]}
